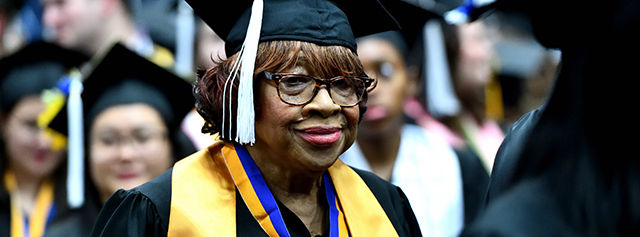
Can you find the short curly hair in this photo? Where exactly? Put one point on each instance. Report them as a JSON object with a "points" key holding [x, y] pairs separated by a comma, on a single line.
{"points": [[273, 56]]}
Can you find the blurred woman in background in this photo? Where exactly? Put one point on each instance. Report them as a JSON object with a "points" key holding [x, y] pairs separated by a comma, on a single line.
{"points": [[33, 195]]}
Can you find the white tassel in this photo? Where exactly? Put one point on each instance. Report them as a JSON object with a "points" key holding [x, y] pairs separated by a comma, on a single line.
{"points": [[441, 98], [245, 132], [75, 179], [231, 78]]}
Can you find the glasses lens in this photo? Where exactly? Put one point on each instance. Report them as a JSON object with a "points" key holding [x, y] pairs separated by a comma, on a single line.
{"points": [[347, 91], [296, 89]]}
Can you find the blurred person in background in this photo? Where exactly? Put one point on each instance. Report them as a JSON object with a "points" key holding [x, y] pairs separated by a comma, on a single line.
{"points": [[577, 174], [524, 69], [209, 50], [33, 195], [132, 113], [11, 35], [419, 162], [209, 46], [92, 26], [465, 125]]}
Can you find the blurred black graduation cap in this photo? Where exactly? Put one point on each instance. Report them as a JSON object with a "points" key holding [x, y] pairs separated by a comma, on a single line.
{"points": [[123, 77], [34, 68], [412, 17]]}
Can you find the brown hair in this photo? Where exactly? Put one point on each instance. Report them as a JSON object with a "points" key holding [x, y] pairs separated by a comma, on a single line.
{"points": [[272, 56]]}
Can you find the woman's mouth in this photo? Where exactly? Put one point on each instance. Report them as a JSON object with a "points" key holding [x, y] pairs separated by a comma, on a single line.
{"points": [[127, 175], [321, 135], [40, 156]]}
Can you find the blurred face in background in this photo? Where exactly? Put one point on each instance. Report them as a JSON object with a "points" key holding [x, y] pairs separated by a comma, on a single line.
{"points": [[382, 61], [129, 146], [73, 22], [474, 65], [28, 148], [209, 47]]}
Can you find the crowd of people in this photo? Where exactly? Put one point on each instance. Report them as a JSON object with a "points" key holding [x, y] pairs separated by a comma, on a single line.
{"points": [[317, 118]]}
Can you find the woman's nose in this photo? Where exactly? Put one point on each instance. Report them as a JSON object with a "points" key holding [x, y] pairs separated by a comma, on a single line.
{"points": [[127, 151], [322, 104]]}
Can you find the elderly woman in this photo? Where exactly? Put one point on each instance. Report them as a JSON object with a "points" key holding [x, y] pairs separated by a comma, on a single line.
{"points": [[310, 91]]}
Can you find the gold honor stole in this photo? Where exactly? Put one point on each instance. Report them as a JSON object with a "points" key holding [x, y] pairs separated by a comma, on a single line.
{"points": [[42, 211], [203, 197]]}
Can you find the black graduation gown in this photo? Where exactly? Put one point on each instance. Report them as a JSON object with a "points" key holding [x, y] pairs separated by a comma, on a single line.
{"points": [[145, 211], [529, 209], [509, 151], [66, 222], [475, 181]]}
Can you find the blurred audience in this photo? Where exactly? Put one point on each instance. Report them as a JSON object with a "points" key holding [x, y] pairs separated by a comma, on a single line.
{"points": [[91, 27], [11, 32]]}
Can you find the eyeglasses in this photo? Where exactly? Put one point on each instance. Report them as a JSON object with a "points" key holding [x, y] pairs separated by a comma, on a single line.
{"points": [[298, 89], [137, 140]]}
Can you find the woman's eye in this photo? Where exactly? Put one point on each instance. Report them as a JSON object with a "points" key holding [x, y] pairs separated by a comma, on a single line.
{"points": [[31, 124], [108, 140], [142, 138], [296, 83], [293, 81], [386, 70]]}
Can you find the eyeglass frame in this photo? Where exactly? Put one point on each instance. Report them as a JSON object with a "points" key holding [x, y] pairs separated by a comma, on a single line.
{"points": [[130, 140], [276, 77]]}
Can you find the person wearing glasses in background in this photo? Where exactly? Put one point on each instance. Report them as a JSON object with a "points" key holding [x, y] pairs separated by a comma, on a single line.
{"points": [[281, 177], [132, 114]]}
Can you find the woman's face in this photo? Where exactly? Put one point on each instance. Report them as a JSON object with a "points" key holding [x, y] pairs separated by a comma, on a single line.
{"points": [[382, 61], [28, 148], [474, 65], [128, 147], [307, 137]]}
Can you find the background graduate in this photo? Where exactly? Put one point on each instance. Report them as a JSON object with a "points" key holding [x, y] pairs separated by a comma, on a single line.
{"points": [[277, 175], [132, 114], [578, 172], [419, 162], [33, 199]]}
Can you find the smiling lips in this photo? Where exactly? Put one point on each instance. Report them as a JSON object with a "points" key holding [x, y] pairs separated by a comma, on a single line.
{"points": [[321, 135], [127, 175]]}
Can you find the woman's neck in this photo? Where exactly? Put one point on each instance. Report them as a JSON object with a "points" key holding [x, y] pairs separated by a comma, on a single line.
{"points": [[298, 190], [28, 187], [381, 152]]}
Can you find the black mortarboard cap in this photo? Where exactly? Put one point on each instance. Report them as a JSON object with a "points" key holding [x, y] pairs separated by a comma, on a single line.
{"points": [[412, 19], [317, 21], [124, 77], [34, 68]]}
